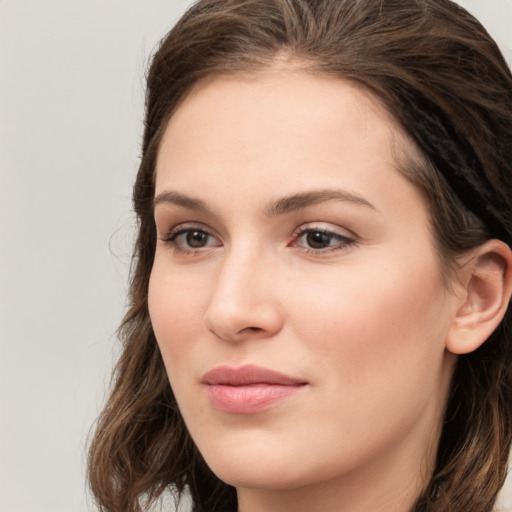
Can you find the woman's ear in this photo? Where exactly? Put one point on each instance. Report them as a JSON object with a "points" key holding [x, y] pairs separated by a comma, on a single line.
{"points": [[487, 287]]}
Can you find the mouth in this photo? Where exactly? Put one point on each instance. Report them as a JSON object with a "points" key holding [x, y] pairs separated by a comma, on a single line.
{"points": [[249, 389]]}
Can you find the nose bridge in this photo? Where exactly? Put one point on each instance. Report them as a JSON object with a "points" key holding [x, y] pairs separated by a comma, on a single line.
{"points": [[242, 302]]}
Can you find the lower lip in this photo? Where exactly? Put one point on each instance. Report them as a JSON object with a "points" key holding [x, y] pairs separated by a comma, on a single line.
{"points": [[249, 399]]}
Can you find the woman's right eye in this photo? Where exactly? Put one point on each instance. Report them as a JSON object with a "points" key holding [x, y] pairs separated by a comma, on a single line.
{"points": [[190, 239]]}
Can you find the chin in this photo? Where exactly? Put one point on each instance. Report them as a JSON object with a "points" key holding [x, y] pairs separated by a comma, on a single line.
{"points": [[255, 463], [264, 475], [263, 462]]}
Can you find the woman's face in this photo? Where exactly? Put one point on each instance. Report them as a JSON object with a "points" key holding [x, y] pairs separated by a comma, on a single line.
{"points": [[288, 242]]}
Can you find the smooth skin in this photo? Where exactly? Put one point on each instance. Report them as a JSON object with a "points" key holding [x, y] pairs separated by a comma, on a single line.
{"points": [[287, 239]]}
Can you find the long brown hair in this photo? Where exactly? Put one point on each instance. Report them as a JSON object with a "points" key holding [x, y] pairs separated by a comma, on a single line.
{"points": [[444, 80]]}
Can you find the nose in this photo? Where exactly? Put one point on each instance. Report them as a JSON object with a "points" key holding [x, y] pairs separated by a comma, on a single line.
{"points": [[243, 304]]}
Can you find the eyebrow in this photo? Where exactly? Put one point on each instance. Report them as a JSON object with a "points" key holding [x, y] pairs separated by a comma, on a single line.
{"points": [[171, 197], [305, 199], [281, 206]]}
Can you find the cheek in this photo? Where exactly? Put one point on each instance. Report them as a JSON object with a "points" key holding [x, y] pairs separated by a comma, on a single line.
{"points": [[176, 309], [376, 344], [377, 327]]}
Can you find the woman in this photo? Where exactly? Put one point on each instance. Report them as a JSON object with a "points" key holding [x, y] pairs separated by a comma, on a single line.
{"points": [[323, 265]]}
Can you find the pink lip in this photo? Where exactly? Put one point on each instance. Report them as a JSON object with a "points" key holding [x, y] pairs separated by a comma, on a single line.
{"points": [[249, 389]]}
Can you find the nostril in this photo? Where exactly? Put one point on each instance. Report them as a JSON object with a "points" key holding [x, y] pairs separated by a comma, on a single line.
{"points": [[248, 330]]}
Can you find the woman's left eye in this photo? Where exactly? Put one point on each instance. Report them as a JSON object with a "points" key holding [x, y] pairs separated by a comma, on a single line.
{"points": [[316, 239]]}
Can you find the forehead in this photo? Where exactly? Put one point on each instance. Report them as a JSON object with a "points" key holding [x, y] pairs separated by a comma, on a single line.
{"points": [[287, 89], [279, 102], [275, 133]]}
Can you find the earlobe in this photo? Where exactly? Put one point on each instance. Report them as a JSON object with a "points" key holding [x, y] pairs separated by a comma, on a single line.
{"points": [[487, 280]]}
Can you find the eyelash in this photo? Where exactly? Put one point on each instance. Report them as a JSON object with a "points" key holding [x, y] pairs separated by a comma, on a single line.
{"points": [[342, 242]]}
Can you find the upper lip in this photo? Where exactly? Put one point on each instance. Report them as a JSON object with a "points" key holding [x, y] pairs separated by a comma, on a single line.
{"points": [[247, 375]]}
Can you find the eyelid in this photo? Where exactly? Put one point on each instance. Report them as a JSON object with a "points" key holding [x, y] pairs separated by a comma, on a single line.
{"points": [[324, 227], [185, 226]]}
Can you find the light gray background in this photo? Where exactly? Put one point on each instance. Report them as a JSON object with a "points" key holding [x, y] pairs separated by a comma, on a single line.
{"points": [[71, 81]]}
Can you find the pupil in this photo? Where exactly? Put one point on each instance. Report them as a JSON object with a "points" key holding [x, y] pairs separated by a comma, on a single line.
{"points": [[196, 239], [318, 240]]}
